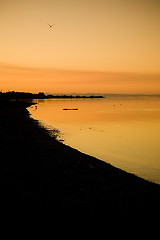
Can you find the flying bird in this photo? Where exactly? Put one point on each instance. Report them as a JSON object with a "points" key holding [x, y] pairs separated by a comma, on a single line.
{"points": [[51, 25]]}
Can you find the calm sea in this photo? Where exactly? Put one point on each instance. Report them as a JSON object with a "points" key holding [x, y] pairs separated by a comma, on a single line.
{"points": [[121, 130]]}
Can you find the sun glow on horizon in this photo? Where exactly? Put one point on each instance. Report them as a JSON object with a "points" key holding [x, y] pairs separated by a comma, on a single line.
{"points": [[67, 81], [104, 46]]}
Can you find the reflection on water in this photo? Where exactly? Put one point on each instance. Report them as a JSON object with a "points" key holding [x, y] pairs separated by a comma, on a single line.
{"points": [[123, 131]]}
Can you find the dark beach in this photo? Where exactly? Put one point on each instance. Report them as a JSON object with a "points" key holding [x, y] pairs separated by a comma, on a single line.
{"points": [[41, 177]]}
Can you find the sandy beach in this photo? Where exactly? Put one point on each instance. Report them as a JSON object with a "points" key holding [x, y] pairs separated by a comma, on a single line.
{"points": [[40, 176]]}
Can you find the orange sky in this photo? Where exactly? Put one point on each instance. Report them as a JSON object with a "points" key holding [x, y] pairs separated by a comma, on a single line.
{"points": [[96, 46], [67, 81]]}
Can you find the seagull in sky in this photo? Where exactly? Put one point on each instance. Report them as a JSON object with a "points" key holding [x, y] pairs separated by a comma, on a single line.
{"points": [[51, 25]]}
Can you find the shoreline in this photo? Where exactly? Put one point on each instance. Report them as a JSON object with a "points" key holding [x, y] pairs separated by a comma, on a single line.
{"points": [[44, 177]]}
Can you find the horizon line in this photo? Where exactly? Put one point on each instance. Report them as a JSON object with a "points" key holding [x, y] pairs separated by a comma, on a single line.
{"points": [[81, 94]]}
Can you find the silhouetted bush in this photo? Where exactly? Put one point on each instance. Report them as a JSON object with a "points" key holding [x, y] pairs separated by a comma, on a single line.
{"points": [[26, 95]]}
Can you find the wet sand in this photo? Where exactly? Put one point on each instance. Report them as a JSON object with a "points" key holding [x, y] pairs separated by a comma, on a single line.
{"points": [[41, 177]]}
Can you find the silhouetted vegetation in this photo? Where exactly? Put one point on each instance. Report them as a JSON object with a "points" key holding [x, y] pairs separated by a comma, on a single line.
{"points": [[72, 96], [21, 95], [26, 95]]}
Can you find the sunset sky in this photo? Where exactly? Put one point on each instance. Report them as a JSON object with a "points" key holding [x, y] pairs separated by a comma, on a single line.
{"points": [[104, 46]]}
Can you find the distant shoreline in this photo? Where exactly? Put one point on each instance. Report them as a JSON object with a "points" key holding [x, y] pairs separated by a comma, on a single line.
{"points": [[12, 95], [40, 95]]}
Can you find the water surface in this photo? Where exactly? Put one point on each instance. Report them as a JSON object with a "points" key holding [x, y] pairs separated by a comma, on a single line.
{"points": [[123, 131]]}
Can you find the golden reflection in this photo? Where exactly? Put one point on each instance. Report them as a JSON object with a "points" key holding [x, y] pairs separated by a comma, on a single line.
{"points": [[124, 131], [102, 110]]}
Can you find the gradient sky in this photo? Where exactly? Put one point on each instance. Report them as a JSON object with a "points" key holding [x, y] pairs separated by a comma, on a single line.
{"points": [[96, 46]]}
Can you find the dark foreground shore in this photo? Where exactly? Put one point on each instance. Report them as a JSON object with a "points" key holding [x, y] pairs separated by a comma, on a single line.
{"points": [[42, 177]]}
